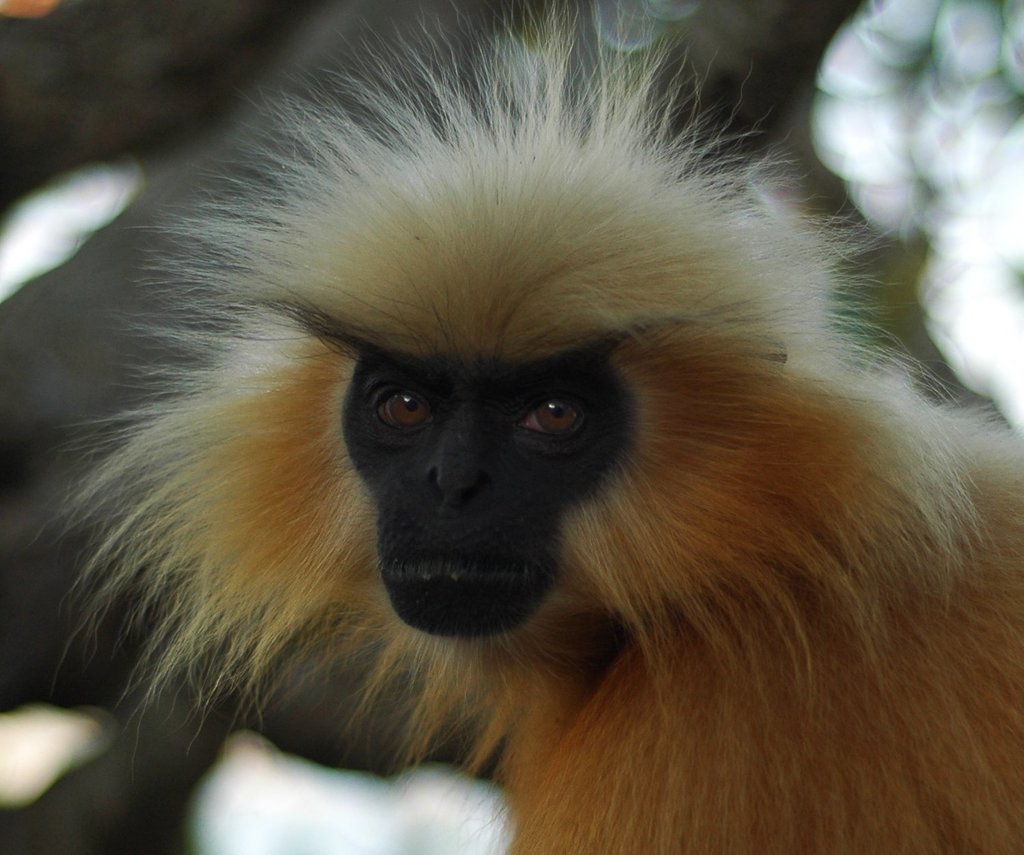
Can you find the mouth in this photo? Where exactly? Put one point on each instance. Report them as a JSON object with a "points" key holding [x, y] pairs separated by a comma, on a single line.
{"points": [[464, 597]]}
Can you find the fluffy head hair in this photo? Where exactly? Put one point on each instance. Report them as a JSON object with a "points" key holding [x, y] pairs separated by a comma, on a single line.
{"points": [[513, 212]]}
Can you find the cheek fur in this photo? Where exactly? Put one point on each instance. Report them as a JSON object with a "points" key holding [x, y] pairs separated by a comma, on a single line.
{"points": [[287, 519], [737, 468]]}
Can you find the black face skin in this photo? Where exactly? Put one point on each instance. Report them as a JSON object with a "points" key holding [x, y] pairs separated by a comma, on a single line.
{"points": [[472, 467]]}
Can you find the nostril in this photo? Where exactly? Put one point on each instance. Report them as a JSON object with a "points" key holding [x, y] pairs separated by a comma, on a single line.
{"points": [[470, 492], [457, 486]]}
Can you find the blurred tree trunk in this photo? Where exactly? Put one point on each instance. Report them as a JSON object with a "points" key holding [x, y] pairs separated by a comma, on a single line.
{"points": [[97, 78]]}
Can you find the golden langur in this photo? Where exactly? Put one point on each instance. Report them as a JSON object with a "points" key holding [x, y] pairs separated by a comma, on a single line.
{"points": [[504, 382]]}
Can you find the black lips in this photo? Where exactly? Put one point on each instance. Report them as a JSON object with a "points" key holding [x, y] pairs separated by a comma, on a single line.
{"points": [[464, 597]]}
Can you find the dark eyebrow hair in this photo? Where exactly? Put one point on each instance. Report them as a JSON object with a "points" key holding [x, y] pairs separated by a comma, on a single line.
{"points": [[353, 341], [337, 334]]}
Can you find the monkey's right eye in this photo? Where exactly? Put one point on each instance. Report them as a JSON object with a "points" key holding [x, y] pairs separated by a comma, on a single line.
{"points": [[403, 411]]}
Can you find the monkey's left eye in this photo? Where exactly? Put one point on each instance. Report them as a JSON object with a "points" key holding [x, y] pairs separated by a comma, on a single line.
{"points": [[554, 417], [403, 410]]}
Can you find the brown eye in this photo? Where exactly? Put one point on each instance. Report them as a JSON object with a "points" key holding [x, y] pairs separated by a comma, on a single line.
{"points": [[403, 411], [552, 417]]}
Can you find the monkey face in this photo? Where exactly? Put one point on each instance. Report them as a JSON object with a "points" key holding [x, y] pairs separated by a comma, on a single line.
{"points": [[472, 467]]}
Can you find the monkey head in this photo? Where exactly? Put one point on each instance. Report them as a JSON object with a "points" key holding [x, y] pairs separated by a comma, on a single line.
{"points": [[489, 375]]}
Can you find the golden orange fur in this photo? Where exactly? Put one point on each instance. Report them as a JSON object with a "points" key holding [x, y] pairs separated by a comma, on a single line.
{"points": [[793, 621]]}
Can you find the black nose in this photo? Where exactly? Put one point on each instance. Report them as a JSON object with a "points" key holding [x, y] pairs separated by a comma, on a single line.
{"points": [[458, 469]]}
